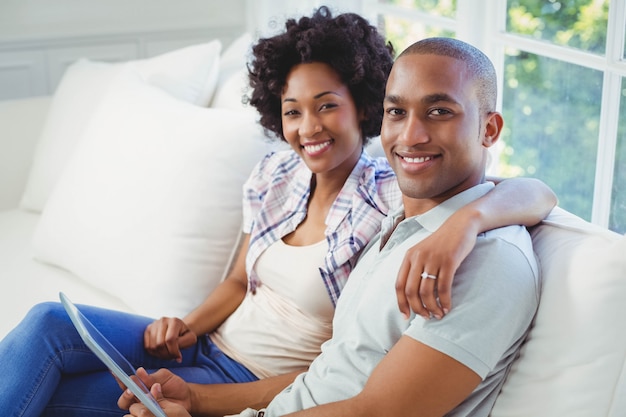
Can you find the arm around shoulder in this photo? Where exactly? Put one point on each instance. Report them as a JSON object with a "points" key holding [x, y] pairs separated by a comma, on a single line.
{"points": [[524, 201]]}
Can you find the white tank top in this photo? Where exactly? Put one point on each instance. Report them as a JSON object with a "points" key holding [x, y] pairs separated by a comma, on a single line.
{"points": [[281, 327]]}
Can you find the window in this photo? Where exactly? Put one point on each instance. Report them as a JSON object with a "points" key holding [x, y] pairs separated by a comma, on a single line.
{"points": [[562, 69]]}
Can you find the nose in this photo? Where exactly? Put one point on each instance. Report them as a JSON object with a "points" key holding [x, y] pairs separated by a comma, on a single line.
{"points": [[310, 125], [413, 132]]}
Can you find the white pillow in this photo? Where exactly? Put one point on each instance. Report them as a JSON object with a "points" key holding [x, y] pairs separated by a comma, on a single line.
{"points": [[573, 362], [230, 93], [76, 98], [235, 57], [233, 79], [149, 206], [189, 74]]}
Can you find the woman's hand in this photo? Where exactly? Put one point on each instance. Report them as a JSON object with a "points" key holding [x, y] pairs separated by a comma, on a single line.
{"points": [[164, 338], [171, 392], [439, 256]]}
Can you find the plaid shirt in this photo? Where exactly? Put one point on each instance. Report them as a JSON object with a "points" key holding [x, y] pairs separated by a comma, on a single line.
{"points": [[275, 203]]}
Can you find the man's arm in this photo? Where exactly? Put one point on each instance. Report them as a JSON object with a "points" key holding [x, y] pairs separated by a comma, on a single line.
{"points": [[412, 380], [207, 400], [218, 400]]}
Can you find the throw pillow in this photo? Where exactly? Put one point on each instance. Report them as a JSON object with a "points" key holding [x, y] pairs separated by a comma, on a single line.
{"points": [[189, 74], [233, 79], [149, 206]]}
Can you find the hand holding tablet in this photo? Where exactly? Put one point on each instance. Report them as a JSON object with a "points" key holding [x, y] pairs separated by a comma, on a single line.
{"points": [[111, 357]]}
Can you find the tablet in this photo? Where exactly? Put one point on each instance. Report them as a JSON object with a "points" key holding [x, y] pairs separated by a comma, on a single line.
{"points": [[111, 357]]}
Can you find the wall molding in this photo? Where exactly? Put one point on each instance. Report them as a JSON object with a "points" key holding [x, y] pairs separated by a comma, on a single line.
{"points": [[34, 66]]}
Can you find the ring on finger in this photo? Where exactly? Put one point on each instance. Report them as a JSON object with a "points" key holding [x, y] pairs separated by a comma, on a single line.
{"points": [[426, 275]]}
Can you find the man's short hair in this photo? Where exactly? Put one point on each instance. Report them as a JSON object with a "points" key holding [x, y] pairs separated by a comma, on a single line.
{"points": [[478, 64]]}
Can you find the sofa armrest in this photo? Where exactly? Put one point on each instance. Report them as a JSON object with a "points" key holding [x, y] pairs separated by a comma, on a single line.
{"points": [[21, 122]]}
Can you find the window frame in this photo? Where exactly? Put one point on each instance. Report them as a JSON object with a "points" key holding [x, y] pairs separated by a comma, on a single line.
{"points": [[483, 24]]}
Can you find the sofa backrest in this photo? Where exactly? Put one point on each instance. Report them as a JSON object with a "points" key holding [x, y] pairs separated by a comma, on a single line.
{"points": [[21, 122], [572, 363]]}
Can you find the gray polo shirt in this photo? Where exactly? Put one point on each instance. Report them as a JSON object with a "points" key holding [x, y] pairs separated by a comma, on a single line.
{"points": [[495, 295]]}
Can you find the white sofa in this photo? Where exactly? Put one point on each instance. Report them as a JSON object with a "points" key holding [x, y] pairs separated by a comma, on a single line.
{"points": [[123, 191]]}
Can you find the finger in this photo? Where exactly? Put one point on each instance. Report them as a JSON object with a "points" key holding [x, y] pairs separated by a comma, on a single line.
{"points": [[156, 391], [414, 284], [150, 336], [401, 279], [160, 336], [144, 376], [444, 289], [126, 399], [171, 341], [428, 294], [411, 282], [138, 409]]}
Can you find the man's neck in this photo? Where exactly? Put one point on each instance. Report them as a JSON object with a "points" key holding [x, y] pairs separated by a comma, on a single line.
{"points": [[417, 206]]}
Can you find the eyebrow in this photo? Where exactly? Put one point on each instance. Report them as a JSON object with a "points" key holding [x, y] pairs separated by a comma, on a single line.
{"points": [[429, 99], [317, 96], [437, 97]]}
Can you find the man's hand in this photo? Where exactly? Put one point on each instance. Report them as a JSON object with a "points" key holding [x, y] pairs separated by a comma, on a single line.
{"points": [[164, 338], [170, 408], [172, 389]]}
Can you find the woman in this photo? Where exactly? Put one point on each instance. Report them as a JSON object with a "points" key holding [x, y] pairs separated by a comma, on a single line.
{"points": [[308, 212]]}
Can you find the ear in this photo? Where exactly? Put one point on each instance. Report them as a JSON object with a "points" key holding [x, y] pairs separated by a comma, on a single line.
{"points": [[493, 127]]}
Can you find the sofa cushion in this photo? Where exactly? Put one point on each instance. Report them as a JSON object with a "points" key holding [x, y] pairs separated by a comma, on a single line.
{"points": [[26, 282], [190, 74], [149, 206], [575, 355]]}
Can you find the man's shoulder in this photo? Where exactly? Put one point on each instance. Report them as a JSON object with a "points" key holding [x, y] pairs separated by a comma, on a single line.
{"points": [[508, 249], [514, 235]]}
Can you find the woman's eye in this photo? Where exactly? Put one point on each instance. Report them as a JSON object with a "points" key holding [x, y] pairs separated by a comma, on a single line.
{"points": [[327, 106], [290, 113]]}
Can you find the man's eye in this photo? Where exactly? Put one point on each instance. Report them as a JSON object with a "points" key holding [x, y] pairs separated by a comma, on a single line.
{"points": [[440, 112], [394, 112]]}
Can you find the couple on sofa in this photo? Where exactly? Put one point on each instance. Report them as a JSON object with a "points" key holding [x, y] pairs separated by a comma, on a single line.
{"points": [[308, 214]]}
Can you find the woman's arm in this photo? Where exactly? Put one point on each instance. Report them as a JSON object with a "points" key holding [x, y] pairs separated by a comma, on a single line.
{"points": [[225, 299], [165, 337], [524, 201]]}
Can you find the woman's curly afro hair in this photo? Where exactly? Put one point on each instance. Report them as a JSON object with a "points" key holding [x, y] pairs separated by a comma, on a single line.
{"points": [[347, 43]]}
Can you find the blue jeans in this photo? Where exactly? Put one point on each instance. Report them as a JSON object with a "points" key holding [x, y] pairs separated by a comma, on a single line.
{"points": [[47, 370]]}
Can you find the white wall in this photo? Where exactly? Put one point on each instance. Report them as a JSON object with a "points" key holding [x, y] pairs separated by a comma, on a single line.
{"points": [[33, 19], [40, 38], [267, 16]]}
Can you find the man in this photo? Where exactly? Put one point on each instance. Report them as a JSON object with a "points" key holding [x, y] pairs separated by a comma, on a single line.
{"points": [[439, 121]]}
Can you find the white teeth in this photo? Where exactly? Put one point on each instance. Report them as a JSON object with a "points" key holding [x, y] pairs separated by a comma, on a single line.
{"points": [[316, 148], [417, 160]]}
